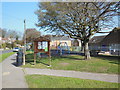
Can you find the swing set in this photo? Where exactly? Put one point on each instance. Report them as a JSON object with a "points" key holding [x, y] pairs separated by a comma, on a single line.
{"points": [[63, 46]]}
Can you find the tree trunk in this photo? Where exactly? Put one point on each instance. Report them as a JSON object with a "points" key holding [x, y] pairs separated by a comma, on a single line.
{"points": [[86, 52], [82, 47]]}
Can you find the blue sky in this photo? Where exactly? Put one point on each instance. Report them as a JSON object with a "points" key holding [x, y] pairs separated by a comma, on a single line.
{"points": [[14, 13]]}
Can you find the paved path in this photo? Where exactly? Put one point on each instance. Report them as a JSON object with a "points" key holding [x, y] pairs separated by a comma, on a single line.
{"points": [[75, 74], [5, 51], [12, 76]]}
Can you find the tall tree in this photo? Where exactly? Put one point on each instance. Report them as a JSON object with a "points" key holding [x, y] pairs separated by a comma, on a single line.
{"points": [[18, 35], [31, 34], [80, 20], [3, 32], [13, 34]]}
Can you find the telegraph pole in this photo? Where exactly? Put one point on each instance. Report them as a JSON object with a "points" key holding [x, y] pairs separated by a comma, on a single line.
{"points": [[24, 42]]}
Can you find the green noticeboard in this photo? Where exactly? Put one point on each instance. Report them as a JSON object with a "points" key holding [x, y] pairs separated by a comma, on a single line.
{"points": [[46, 49]]}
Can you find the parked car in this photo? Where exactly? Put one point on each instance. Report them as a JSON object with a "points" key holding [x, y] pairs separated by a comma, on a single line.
{"points": [[16, 49]]}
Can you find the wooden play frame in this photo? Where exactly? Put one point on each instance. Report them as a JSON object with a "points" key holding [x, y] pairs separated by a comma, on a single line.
{"points": [[42, 39]]}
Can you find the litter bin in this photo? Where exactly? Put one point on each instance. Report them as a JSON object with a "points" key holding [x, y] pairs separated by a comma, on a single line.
{"points": [[19, 58]]}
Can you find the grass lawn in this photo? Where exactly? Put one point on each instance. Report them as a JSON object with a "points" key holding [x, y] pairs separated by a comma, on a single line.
{"points": [[99, 64], [43, 81], [5, 55]]}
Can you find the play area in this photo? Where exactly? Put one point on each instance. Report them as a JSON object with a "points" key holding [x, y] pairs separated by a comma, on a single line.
{"points": [[63, 59], [42, 49]]}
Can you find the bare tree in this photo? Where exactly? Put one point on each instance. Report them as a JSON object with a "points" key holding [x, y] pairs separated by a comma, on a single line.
{"points": [[31, 34], [18, 35], [80, 20], [13, 34], [3, 32]]}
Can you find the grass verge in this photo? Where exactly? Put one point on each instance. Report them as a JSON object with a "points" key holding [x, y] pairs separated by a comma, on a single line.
{"points": [[43, 81], [99, 64], [5, 55]]}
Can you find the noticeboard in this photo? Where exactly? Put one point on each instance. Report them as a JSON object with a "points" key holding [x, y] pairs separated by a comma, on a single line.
{"points": [[43, 45]]}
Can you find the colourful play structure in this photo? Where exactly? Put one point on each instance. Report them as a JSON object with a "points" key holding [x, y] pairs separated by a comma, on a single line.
{"points": [[63, 46]]}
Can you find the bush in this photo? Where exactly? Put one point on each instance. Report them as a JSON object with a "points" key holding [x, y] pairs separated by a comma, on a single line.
{"points": [[19, 42], [4, 45], [0, 46], [13, 44], [9, 45]]}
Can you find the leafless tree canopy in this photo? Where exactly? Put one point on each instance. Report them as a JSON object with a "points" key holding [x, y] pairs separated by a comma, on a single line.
{"points": [[31, 34], [80, 20], [9, 33]]}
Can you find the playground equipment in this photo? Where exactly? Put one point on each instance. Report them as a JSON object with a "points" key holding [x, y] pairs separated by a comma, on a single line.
{"points": [[63, 46]]}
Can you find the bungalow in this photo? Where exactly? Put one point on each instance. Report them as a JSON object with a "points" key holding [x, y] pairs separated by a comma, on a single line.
{"points": [[112, 41], [60, 39], [8, 40], [65, 42], [95, 43], [109, 43], [5, 40]]}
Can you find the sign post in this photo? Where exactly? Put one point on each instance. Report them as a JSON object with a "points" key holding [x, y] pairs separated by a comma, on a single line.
{"points": [[24, 51]]}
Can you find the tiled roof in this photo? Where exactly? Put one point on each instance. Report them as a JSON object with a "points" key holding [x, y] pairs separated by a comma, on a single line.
{"points": [[97, 39], [5, 39], [59, 38], [113, 37], [42, 38]]}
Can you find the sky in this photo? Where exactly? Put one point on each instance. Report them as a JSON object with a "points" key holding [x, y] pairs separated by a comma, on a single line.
{"points": [[14, 13]]}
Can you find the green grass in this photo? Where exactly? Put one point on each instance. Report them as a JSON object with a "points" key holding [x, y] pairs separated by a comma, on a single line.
{"points": [[29, 51], [43, 81], [100, 64], [5, 55]]}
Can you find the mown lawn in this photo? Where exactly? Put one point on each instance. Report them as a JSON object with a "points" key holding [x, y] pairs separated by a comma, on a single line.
{"points": [[5, 55], [99, 64], [43, 81]]}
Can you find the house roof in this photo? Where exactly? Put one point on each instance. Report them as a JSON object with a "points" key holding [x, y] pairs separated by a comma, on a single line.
{"points": [[5, 39], [97, 39], [60, 38], [113, 37], [42, 38]]}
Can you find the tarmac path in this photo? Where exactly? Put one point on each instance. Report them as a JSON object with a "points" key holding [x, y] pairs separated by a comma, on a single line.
{"points": [[5, 51], [74, 74], [12, 76]]}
